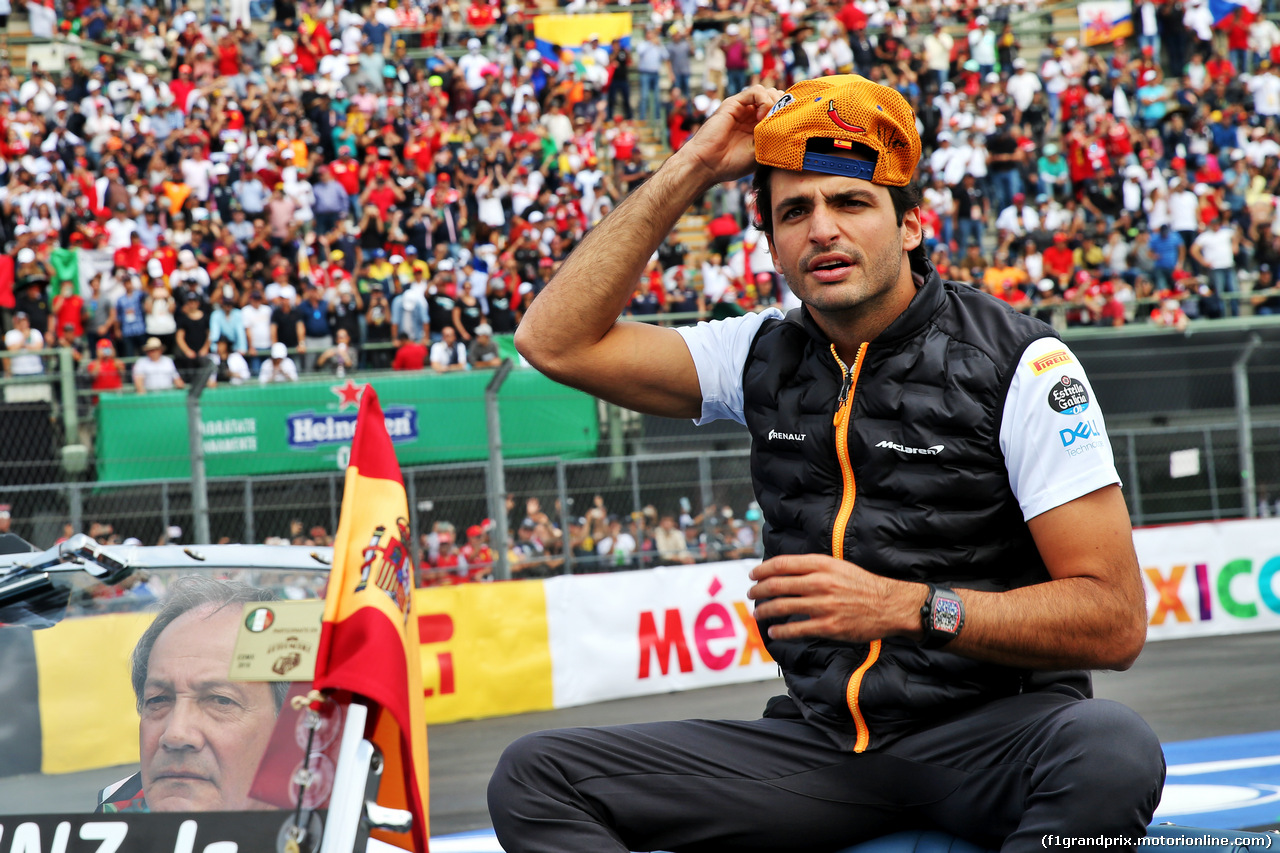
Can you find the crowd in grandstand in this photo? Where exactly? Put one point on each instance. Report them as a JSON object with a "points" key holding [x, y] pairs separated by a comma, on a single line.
{"points": [[334, 191]]}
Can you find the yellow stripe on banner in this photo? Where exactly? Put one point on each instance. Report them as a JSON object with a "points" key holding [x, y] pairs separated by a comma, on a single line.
{"points": [[573, 30], [485, 650], [88, 716]]}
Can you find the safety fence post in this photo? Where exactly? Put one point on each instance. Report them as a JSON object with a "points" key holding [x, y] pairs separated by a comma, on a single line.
{"points": [[1244, 421], [497, 474], [195, 446]]}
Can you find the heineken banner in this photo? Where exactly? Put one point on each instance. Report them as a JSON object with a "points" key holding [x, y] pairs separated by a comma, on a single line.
{"points": [[307, 425]]}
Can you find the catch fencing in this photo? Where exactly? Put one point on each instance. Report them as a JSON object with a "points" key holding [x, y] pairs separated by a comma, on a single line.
{"points": [[1202, 482], [1194, 423]]}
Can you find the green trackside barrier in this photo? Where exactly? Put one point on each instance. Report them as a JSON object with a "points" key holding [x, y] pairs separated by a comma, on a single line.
{"points": [[307, 426]]}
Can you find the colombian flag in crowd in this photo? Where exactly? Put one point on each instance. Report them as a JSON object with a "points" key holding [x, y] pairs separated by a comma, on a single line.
{"points": [[557, 33], [369, 637]]}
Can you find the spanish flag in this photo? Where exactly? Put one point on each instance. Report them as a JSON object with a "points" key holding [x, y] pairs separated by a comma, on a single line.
{"points": [[369, 637]]}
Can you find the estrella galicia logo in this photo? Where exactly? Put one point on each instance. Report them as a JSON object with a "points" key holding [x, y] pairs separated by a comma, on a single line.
{"points": [[1084, 430], [1068, 396], [780, 105], [309, 430]]}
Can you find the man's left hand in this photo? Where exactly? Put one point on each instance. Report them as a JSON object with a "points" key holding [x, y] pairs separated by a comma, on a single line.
{"points": [[843, 601]]}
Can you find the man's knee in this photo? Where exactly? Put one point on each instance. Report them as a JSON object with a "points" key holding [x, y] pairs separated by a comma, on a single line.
{"points": [[513, 779], [539, 761], [522, 760], [1110, 746]]}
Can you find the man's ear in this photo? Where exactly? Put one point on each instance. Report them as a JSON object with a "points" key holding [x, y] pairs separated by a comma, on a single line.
{"points": [[912, 229]]}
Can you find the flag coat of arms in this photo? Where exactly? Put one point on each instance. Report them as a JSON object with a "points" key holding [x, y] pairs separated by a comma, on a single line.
{"points": [[1104, 21], [369, 637]]}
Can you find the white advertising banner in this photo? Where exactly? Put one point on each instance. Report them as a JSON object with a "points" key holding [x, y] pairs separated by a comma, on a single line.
{"points": [[1207, 579], [614, 636], [636, 633]]}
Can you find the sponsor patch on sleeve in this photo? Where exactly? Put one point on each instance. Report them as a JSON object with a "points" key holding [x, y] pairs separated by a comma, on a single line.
{"points": [[1068, 396], [1050, 360]]}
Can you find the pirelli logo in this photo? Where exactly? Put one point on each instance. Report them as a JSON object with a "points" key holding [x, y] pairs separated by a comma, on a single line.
{"points": [[1050, 360]]}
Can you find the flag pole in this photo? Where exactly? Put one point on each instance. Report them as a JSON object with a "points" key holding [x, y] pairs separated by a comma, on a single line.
{"points": [[346, 803]]}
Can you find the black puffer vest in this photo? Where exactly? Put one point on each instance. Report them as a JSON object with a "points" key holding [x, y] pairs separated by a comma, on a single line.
{"points": [[922, 495]]}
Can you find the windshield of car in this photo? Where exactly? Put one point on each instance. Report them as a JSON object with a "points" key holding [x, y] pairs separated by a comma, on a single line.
{"points": [[125, 702]]}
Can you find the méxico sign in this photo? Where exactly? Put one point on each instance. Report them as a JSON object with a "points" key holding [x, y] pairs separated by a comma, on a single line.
{"points": [[644, 632]]}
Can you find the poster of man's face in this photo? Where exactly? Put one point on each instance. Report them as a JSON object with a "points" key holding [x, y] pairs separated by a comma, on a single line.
{"points": [[201, 734]]}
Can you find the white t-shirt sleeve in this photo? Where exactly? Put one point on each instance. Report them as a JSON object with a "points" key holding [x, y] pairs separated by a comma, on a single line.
{"points": [[719, 349], [1053, 435]]}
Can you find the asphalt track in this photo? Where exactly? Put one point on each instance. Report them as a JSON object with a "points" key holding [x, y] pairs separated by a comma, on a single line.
{"points": [[1188, 690]]}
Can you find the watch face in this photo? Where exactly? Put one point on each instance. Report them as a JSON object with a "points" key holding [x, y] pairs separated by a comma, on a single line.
{"points": [[946, 615]]}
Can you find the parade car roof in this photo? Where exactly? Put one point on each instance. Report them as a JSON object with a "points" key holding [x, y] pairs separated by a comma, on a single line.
{"points": [[82, 548]]}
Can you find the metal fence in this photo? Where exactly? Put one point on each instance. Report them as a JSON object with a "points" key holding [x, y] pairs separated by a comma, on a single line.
{"points": [[1171, 474], [1194, 422], [1193, 473], [304, 508]]}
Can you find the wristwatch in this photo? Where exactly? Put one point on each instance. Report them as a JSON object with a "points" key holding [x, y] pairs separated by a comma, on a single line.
{"points": [[942, 617]]}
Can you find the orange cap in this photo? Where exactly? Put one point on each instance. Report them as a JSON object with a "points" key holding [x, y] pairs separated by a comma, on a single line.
{"points": [[844, 108]]}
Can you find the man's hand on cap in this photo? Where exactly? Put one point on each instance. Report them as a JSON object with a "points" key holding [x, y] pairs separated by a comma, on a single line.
{"points": [[724, 148]]}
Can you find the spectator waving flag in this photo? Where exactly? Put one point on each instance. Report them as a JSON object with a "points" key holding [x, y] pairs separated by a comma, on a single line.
{"points": [[369, 638], [556, 33], [1220, 9], [1104, 21]]}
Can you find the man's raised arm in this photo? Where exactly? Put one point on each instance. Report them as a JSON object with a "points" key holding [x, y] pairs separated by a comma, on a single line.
{"points": [[571, 332]]}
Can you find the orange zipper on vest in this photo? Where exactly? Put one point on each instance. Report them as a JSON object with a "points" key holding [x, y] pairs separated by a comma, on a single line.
{"points": [[843, 414]]}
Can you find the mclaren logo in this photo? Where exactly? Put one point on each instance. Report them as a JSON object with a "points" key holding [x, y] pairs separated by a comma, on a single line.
{"points": [[924, 451], [786, 436]]}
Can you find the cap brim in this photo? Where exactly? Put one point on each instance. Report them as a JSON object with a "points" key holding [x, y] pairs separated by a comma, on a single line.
{"points": [[834, 164]]}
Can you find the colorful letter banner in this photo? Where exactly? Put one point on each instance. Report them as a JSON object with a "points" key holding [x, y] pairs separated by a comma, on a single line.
{"points": [[1208, 579]]}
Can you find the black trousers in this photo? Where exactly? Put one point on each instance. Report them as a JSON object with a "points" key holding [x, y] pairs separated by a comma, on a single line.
{"points": [[1002, 776]]}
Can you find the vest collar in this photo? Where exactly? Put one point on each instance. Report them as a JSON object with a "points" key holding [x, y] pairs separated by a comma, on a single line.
{"points": [[929, 298]]}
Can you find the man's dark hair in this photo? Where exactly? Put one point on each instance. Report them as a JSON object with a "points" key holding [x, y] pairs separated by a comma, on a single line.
{"points": [[904, 198], [195, 593]]}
